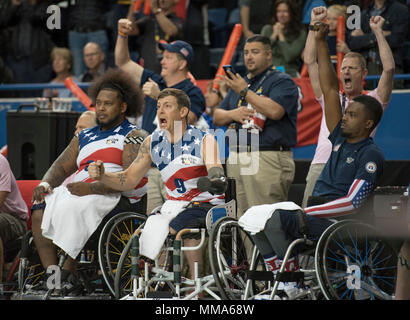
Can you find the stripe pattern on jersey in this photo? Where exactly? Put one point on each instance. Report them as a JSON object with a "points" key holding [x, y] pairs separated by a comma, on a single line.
{"points": [[107, 146], [358, 193], [181, 165]]}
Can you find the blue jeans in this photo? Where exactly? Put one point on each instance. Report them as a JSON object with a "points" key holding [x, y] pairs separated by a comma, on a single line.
{"points": [[77, 41]]}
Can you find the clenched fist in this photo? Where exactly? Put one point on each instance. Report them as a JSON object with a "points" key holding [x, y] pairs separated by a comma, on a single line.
{"points": [[96, 170], [318, 14], [124, 26]]}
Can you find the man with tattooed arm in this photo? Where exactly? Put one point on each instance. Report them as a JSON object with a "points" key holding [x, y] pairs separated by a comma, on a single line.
{"points": [[66, 216]]}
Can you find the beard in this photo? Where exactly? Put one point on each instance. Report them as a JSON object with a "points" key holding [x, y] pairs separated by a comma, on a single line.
{"points": [[111, 123]]}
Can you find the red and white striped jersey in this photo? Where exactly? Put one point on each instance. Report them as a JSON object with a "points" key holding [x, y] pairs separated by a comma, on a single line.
{"points": [[181, 165], [107, 146]]}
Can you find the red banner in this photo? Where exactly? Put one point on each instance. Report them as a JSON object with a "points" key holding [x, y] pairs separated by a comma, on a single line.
{"points": [[309, 113]]}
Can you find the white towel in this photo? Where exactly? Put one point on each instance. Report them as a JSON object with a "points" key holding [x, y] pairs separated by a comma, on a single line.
{"points": [[70, 220], [157, 227], [254, 219]]}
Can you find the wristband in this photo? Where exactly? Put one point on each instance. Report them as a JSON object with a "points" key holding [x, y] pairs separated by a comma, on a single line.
{"points": [[122, 35], [315, 26], [44, 184]]}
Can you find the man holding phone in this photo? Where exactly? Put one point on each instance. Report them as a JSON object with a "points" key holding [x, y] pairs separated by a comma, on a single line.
{"points": [[261, 107]]}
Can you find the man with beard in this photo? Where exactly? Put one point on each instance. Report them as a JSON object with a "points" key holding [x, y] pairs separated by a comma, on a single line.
{"points": [[66, 216], [349, 177]]}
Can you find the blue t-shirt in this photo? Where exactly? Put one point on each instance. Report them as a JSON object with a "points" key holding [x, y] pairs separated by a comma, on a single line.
{"points": [[348, 161], [194, 93], [281, 88]]}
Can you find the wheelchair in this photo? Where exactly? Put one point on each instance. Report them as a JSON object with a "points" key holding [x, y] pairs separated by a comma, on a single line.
{"points": [[97, 262], [141, 278], [352, 260]]}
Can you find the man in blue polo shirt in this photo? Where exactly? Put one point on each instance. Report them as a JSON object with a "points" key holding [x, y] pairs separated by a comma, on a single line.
{"points": [[177, 57], [261, 111], [350, 175]]}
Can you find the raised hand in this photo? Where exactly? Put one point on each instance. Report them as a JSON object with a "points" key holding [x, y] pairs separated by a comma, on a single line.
{"points": [[151, 89], [376, 23], [318, 14], [96, 170], [124, 26]]}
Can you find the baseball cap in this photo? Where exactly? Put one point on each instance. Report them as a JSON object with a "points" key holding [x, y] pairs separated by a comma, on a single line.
{"points": [[180, 47]]}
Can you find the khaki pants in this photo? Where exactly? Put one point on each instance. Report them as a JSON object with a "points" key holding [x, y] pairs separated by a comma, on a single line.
{"points": [[262, 177], [314, 172], [156, 194]]}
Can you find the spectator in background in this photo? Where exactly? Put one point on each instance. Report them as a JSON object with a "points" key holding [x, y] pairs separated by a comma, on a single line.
{"points": [[28, 44], [287, 36], [13, 209], [162, 24], [263, 105], [88, 23], [94, 59], [254, 15], [395, 28], [62, 61]]}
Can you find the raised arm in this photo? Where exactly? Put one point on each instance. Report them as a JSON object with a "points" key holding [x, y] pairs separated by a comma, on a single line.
{"points": [[385, 85], [122, 54], [328, 79], [166, 25], [309, 54], [126, 179]]}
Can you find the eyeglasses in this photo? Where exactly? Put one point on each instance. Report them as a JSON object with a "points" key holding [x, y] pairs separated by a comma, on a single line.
{"points": [[88, 55]]}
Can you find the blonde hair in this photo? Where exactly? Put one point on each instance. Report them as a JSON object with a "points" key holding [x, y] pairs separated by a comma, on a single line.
{"points": [[339, 9], [63, 52]]}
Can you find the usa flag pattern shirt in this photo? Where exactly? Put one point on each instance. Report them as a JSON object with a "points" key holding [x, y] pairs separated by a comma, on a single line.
{"points": [[181, 165], [107, 146]]}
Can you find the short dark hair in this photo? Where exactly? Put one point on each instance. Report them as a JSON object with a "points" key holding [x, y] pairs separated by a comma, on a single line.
{"points": [[259, 38], [127, 89], [181, 97], [373, 108]]}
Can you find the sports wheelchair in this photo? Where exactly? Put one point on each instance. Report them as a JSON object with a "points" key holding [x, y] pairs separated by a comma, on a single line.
{"points": [[138, 278], [352, 260], [97, 262]]}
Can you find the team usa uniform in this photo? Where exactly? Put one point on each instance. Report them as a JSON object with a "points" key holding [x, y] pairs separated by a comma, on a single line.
{"points": [[181, 165], [107, 146]]}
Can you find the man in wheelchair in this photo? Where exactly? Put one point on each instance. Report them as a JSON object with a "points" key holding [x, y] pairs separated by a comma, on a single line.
{"points": [[349, 177], [66, 216], [183, 154]]}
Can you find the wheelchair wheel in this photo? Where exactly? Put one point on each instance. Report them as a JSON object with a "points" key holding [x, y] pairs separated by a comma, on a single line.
{"points": [[230, 252], [112, 241], [353, 262]]}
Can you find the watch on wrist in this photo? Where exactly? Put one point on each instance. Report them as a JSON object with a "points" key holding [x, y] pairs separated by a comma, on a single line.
{"points": [[244, 92], [159, 10]]}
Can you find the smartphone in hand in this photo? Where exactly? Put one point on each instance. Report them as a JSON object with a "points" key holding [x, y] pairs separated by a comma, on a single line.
{"points": [[230, 68]]}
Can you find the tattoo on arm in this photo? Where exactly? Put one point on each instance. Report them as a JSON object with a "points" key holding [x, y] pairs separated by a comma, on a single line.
{"points": [[143, 150], [121, 178], [133, 142], [64, 165]]}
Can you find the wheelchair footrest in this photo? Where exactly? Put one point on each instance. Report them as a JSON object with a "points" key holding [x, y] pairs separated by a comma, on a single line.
{"points": [[289, 276], [260, 275]]}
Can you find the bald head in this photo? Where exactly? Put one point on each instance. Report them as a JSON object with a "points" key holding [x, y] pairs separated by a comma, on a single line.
{"points": [[93, 56], [86, 120]]}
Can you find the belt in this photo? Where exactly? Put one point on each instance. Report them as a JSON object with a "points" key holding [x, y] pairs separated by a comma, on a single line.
{"points": [[249, 148]]}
